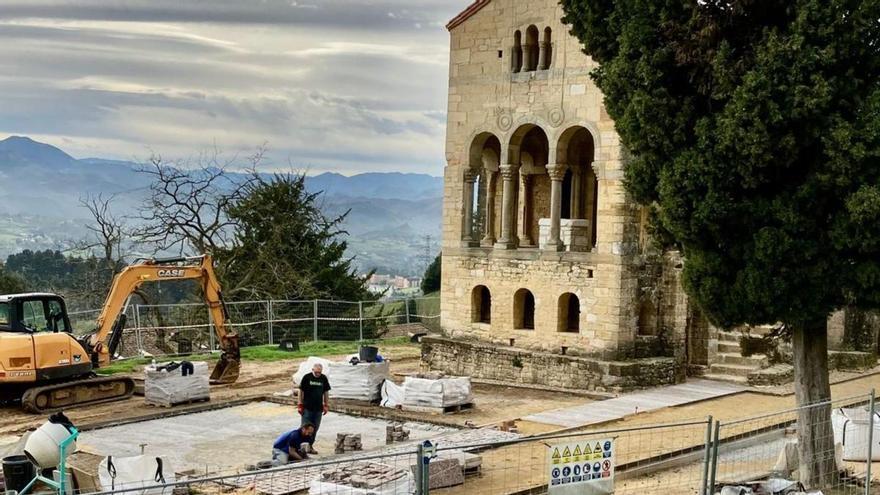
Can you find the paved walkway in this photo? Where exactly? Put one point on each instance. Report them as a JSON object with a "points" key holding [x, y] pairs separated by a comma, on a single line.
{"points": [[649, 400]]}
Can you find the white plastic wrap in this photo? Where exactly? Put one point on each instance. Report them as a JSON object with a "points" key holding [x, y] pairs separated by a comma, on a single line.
{"points": [[136, 472], [306, 368], [851, 430], [442, 392], [357, 382], [392, 394], [167, 388]]}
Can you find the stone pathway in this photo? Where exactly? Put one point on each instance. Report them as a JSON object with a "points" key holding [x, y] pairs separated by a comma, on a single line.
{"points": [[648, 400]]}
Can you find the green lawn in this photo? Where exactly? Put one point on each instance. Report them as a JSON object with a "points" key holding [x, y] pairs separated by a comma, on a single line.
{"points": [[264, 353]]}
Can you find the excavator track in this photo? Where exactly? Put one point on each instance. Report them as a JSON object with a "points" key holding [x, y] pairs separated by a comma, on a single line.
{"points": [[88, 391]]}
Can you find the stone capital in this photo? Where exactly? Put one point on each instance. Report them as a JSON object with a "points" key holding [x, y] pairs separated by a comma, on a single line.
{"points": [[470, 175], [556, 171], [509, 171]]}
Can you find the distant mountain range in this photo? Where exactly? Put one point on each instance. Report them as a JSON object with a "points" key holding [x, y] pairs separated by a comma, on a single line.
{"points": [[391, 213]]}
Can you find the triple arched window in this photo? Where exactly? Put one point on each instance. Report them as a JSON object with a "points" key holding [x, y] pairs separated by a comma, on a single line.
{"points": [[532, 52]]}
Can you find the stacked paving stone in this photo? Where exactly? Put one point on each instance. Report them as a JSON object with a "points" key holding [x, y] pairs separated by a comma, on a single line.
{"points": [[395, 433], [363, 474], [348, 442], [443, 473]]}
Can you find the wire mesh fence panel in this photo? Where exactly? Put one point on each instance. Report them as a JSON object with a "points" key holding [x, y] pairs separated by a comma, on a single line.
{"points": [[338, 320], [380, 318], [765, 447], [650, 459], [351, 474], [251, 321], [83, 322], [293, 320], [425, 310], [172, 329]]}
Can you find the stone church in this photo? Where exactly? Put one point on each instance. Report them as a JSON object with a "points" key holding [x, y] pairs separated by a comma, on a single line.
{"points": [[549, 275]]}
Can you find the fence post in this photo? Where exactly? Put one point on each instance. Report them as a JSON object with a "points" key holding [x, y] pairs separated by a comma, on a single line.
{"points": [[361, 319], [706, 456], [407, 310], [870, 444], [315, 322], [269, 321], [710, 488], [425, 451]]}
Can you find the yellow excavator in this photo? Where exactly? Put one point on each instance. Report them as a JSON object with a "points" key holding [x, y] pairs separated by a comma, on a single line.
{"points": [[49, 368]]}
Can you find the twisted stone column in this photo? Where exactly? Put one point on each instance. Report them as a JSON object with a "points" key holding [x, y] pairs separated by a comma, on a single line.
{"points": [[525, 237], [556, 171], [509, 173], [544, 56], [577, 192], [489, 217], [470, 178]]}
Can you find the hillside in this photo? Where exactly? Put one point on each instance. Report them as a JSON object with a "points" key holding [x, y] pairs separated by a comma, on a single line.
{"points": [[390, 213]]}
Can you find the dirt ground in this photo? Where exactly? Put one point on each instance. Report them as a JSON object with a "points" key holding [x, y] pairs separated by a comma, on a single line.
{"points": [[494, 403]]}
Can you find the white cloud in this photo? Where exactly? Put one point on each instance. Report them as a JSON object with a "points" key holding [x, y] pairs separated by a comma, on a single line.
{"points": [[344, 85]]}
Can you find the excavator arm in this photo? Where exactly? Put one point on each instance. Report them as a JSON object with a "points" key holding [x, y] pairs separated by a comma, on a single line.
{"points": [[111, 321]]}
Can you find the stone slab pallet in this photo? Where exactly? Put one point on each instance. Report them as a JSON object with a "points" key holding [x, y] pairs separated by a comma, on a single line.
{"points": [[439, 410]]}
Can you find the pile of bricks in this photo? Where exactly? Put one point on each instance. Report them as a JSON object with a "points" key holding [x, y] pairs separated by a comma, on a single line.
{"points": [[348, 442], [363, 474], [395, 433]]}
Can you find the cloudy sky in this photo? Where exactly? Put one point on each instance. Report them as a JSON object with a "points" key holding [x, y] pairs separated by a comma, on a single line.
{"points": [[342, 85]]}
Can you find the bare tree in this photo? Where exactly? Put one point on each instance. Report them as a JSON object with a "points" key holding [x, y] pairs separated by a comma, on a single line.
{"points": [[108, 232], [186, 210]]}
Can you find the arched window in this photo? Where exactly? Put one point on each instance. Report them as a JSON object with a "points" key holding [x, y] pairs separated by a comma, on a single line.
{"points": [[516, 55], [647, 323], [569, 317], [524, 310], [481, 305], [530, 50], [546, 50]]}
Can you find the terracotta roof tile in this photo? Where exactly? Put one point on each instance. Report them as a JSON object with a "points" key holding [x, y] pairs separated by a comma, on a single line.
{"points": [[467, 13]]}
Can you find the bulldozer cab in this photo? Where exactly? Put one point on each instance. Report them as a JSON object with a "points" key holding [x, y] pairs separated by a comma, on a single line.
{"points": [[34, 313]]}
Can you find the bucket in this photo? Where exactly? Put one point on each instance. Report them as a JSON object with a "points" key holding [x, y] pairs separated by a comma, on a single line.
{"points": [[18, 471], [368, 354]]}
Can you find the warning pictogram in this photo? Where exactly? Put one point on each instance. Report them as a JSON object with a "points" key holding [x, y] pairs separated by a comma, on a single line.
{"points": [[574, 464]]}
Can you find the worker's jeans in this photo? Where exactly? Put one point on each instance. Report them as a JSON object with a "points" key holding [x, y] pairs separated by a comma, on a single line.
{"points": [[280, 457], [313, 417]]}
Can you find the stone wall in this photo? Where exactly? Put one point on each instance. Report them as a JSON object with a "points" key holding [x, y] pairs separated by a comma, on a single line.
{"points": [[509, 364]]}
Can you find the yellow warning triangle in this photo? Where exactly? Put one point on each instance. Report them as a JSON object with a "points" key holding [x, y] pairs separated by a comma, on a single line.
{"points": [[556, 453], [566, 452], [598, 449], [577, 450]]}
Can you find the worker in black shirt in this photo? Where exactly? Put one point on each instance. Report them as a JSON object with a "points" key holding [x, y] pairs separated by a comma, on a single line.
{"points": [[314, 400]]}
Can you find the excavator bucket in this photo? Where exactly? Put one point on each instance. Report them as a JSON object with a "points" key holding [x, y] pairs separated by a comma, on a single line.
{"points": [[229, 365]]}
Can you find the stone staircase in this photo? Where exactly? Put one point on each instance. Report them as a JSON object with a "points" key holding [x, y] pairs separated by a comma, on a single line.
{"points": [[731, 365]]}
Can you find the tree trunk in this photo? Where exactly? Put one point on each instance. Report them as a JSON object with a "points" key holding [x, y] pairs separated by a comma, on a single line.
{"points": [[811, 386]]}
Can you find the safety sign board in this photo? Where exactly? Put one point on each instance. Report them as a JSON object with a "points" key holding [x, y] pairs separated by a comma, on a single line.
{"points": [[586, 466]]}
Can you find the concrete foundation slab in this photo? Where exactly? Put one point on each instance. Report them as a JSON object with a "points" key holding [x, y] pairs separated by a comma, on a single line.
{"points": [[234, 437]]}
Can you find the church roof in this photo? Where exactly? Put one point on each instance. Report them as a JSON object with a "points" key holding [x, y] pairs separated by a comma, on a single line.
{"points": [[467, 13]]}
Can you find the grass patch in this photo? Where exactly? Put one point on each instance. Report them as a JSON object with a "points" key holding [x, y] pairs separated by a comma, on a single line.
{"points": [[263, 353]]}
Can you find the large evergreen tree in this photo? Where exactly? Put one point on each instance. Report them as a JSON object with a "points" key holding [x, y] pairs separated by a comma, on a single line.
{"points": [[431, 278], [284, 247], [754, 131]]}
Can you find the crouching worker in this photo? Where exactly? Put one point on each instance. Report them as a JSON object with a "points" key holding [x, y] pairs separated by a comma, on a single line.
{"points": [[289, 446]]}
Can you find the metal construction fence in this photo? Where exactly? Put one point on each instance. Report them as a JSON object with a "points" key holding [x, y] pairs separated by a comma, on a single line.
{"points": [[753, 455], [171, 329]]}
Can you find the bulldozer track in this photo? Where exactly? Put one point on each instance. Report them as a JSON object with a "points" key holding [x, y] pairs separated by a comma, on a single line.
{"points": [[59, 396]]}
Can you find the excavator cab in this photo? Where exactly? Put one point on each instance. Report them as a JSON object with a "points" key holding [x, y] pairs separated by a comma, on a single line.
{"points": [[37, 345]]}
